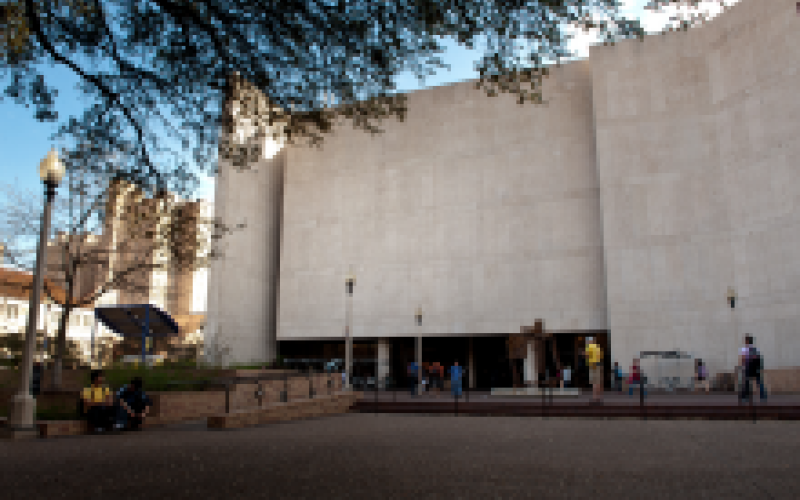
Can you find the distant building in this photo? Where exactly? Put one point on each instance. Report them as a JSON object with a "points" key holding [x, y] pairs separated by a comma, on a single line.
{"points": [[180, 290]]}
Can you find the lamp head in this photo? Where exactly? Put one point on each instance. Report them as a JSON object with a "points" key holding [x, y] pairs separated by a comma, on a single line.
{"points": [[51, 170]]}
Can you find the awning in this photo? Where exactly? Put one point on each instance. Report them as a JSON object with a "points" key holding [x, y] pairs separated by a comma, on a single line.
{"points": [[137, 320]]}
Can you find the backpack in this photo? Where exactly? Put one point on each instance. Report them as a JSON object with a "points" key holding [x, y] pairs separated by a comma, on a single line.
{"points": [[754, 361]]}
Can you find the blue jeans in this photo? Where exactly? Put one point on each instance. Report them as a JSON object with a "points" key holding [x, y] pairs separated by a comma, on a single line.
{"points": [[455, 388], [637, 386], [746, 388]]}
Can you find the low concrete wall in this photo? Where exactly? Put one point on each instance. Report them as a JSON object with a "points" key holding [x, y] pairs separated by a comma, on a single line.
{"points": [[170, 407], [280, 412], [782, 380]]}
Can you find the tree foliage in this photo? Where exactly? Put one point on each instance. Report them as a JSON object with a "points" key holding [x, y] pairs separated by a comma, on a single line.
{"points": [[106, 236], [157, 71]]}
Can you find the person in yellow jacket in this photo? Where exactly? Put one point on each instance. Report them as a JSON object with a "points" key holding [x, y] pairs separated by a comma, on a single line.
{"points": [[594, 359], [98, 403]]}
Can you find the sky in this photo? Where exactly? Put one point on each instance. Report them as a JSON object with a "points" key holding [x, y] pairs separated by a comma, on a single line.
{"points": [[25, 141]]}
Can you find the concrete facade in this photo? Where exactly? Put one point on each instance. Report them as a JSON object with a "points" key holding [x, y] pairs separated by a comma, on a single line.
{"points": [[658, 174]]}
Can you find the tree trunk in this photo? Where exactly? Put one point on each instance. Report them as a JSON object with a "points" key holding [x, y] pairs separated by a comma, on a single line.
{"points": [[61, 348]]}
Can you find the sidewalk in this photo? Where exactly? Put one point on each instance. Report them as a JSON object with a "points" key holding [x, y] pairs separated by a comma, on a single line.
{"points": [[609, 398]]}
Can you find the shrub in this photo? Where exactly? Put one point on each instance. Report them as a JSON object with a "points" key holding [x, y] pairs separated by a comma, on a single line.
{"points": [[57, 413]]}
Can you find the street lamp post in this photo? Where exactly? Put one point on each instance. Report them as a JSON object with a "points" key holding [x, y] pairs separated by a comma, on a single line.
{"points": [[419, 350], [348, 339], [23, 405], [731, 296]]}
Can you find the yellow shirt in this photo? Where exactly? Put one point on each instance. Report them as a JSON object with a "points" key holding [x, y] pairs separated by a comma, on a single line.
{"points": [[593, 354], [95, 394]]}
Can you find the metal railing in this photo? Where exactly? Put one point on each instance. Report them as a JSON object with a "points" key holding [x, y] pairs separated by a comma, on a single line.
{"points": [[227, 383]]}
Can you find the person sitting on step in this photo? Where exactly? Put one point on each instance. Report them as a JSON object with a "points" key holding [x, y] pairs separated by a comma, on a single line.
{"points": [[97, 403]]}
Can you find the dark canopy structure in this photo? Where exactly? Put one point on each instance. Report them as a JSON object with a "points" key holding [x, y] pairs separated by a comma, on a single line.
{"points": [[145, 320]]}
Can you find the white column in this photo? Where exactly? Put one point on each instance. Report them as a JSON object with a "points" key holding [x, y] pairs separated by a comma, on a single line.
{"points": [[471, 366], [384, 355], [530, 364]]}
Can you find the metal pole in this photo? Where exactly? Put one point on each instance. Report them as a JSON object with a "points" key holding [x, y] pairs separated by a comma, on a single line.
{"points": [[419, 364], [145, 330], [285, 394], [310, 383], [227, 397], [94, 331], [541, 389], [466, 392], [348, 341], [23, 406], [641, 394]]}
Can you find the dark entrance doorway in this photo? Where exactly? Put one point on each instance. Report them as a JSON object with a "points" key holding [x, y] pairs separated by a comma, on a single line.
{"points": [[565, 349], [492, 366]]}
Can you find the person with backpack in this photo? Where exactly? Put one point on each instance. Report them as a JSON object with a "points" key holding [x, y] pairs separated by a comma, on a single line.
{"points": [[701, 376], [752, 364], [133, 405]]}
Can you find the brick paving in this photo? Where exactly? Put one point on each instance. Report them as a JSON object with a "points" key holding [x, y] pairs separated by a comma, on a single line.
{"points": [[419, 457]]}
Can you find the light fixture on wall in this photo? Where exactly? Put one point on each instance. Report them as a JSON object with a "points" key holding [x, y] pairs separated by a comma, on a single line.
{"points": [[732, 297]]}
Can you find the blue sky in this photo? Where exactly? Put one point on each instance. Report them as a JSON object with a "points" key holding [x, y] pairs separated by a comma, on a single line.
{"points": [[24, 141]]}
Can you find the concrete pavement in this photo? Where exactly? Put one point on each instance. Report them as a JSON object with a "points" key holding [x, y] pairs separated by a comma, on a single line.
{"points": [[419, 457]]}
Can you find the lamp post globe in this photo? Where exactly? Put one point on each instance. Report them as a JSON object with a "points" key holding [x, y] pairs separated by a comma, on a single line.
{"points": [[23, 405], [51, 170]]}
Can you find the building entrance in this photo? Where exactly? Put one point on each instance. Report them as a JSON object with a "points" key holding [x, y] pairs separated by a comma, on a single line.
{"points": [[492, 366], [565, 349]]}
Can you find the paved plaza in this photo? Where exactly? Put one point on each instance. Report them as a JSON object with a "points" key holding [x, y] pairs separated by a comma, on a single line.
{"points": [[419, 457]]}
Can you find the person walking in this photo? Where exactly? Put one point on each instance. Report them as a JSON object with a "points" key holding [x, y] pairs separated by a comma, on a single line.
{"points": [[455, 379], [412, 377], [635, 379], [594, 358], [752, 364]]}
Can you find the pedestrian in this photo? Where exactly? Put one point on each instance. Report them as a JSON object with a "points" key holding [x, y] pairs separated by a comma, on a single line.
{"points": [[752, 365], [618, 376], [636, 379], [594, 358], [412, 377], [701, 375], [566, 377], [455, 379], [433, 376]]}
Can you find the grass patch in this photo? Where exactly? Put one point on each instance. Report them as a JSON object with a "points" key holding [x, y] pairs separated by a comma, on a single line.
{"points": [[160, 378], [57, 413]]}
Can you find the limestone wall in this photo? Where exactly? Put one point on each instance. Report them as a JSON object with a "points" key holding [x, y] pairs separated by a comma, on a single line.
{"points": [[697, 169], [242, 285], [483, 212]]}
